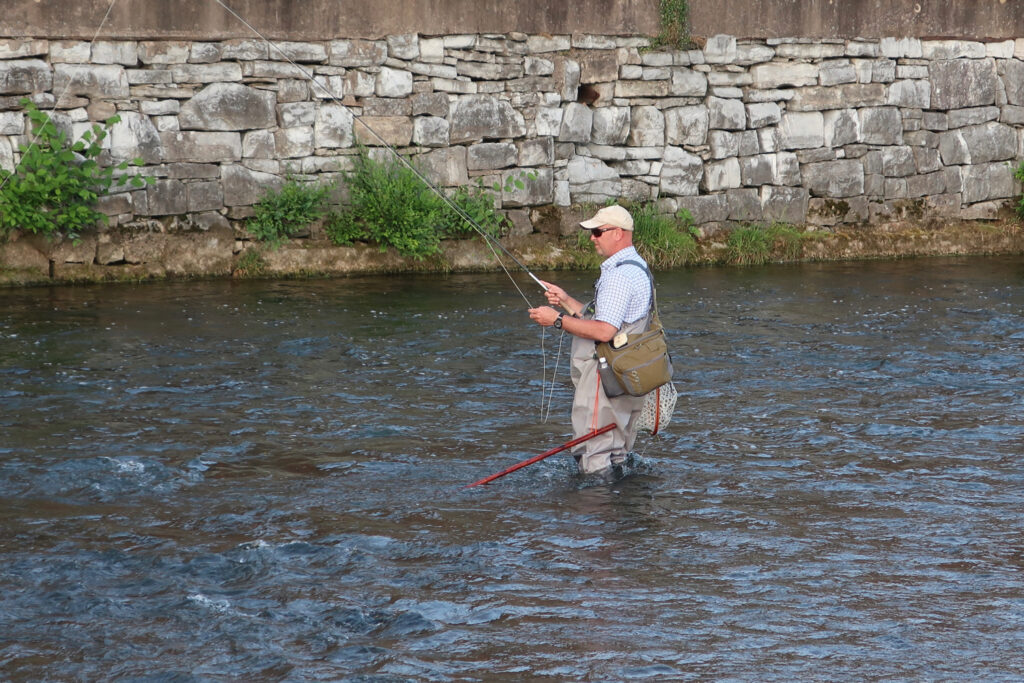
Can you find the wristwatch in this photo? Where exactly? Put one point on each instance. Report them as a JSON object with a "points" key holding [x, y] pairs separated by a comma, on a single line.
{"points": [[558, 321]]}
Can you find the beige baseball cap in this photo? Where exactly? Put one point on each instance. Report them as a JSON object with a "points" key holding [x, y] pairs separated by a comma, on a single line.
{"points": [[615, 216]]}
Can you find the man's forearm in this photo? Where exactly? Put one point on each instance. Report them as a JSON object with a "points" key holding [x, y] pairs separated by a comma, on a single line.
{"points": [[588, 329]]}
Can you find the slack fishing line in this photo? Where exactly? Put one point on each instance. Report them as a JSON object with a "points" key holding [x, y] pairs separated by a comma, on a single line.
{"points": [[489, 240]]}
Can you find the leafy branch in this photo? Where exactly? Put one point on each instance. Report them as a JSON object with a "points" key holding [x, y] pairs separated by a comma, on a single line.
{"points": [[55, 188]]}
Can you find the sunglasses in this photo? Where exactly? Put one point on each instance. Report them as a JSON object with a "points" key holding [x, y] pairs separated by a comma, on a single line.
{"points": [[597, 232]]}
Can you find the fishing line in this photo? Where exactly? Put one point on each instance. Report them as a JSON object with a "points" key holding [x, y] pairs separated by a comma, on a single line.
{"points": [[33, 137], [545, 412], [491, 241]]}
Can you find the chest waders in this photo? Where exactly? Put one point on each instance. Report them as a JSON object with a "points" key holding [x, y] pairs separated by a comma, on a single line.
{"points": [[592, 409]]}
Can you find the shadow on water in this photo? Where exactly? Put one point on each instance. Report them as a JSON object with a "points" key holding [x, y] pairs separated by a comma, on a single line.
{"points": [[263, 480]]}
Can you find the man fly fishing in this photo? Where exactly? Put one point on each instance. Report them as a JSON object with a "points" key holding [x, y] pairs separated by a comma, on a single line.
{"points": [[621, 305]]}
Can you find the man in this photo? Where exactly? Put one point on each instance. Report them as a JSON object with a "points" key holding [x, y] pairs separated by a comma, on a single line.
{"points": [[622, 302]]}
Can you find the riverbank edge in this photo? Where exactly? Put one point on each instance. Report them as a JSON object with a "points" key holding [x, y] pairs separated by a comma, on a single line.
{"points": [[216, 255]]}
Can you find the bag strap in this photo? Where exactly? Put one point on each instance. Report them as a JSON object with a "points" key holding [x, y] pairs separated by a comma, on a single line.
{"points": [[652, 311]]}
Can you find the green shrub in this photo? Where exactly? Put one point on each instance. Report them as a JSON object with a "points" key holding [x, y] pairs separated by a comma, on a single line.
{"points": [[392, 207], [757, 244], [54, 190], [389, 206], [476, 204], [1019, 175], [280, 214]]}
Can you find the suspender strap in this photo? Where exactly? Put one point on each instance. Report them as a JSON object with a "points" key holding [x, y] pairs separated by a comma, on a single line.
{"points": [[650, 277]]}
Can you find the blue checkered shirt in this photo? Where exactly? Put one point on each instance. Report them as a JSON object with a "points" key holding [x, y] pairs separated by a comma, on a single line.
{"points": [[623, 293]]}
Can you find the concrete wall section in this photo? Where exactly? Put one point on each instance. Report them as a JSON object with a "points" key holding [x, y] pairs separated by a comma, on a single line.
{"points": [[303, 20], [966, 19]]}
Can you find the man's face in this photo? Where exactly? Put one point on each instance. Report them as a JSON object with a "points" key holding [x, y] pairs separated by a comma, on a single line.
{"points": [[605, 239]]}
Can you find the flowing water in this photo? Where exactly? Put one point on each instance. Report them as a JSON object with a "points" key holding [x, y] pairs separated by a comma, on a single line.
{"points": [[263, 481]]}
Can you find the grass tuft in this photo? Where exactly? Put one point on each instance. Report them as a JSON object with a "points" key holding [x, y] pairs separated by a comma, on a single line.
{"points": [[759, 244]]}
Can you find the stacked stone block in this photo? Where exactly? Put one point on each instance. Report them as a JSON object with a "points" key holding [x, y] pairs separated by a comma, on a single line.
{"points": [[823, 132]]}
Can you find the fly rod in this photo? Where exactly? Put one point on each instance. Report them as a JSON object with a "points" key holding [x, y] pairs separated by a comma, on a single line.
{"points": [[545, 454]]}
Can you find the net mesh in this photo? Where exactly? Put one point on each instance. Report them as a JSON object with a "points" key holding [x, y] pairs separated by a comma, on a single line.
{"points": [[657, 410]]}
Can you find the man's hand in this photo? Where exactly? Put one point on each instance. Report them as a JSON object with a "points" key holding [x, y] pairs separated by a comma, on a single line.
{"points": [[543, 315], [556, 295]]}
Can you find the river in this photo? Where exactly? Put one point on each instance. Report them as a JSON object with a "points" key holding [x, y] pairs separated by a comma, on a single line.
{"points": [[264, 481]]}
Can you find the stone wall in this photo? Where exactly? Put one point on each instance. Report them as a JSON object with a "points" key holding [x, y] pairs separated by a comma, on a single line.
{"points": [[822, 132]]}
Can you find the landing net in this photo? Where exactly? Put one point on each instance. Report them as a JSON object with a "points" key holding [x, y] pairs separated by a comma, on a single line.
{"points": [[657, 410]]}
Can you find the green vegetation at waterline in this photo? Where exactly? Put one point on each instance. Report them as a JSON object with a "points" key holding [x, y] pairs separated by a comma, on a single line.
{"points": [[389, 205], [667, 241], [55, 188], [281, 214], [250, 263], [759, 244]]}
